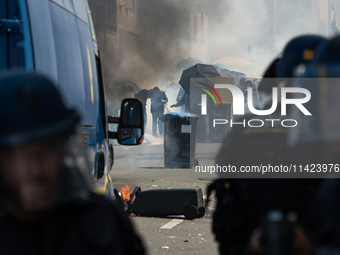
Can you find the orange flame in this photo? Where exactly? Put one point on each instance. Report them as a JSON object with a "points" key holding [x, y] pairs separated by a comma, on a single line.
{"points": [[134, 215], [125, 191]]}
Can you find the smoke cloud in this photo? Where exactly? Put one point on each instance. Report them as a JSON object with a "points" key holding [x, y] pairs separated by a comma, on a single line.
{"points": [[255, 31], [258, 30], [168, 30], [149, 58]]}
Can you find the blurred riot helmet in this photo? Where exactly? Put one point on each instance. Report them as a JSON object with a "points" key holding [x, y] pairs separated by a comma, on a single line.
{"points": [[42, 157], [300, 50], [323, 125]]}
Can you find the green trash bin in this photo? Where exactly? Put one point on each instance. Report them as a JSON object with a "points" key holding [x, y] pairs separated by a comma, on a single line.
{"points": [[179, 140]]}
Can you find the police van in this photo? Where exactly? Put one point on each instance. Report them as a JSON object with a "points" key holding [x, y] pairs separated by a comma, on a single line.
{"points": [[57, 38]]}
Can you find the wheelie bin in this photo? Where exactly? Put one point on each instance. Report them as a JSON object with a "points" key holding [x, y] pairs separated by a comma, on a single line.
{"points": [[179, 140]]}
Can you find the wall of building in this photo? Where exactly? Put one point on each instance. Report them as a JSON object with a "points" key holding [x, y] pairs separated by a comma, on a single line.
{"points": [[142, 41]]}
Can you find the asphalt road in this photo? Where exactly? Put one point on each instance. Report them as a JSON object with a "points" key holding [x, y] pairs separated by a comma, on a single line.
{"points": [[143, 166]]}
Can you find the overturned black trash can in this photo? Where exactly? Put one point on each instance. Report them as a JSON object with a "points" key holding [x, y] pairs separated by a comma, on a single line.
{"points": [[179, 140], [165, 202]]}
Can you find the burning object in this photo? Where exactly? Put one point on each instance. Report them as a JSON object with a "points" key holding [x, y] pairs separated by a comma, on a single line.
{"points": [[164, 202]]}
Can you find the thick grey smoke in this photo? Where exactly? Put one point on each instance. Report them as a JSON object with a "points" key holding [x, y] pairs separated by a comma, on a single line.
{"points": [[167, 32], [149, 59], [255, 31], [266, 24]]}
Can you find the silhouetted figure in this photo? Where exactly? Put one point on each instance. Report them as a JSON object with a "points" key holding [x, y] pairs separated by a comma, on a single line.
{"points": [[143, 96], [158, 100]]}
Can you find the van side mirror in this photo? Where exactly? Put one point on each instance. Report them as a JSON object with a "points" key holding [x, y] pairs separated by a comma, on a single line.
{"points": [[131, 122]]}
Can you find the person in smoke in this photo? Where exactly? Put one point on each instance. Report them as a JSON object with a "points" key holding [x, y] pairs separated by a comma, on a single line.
{"points": [[127, 90], [46, 202], [143, 96], [180, 95], [243, 84], [171, 89], [158, 100], [255, 98], [183, 100]]}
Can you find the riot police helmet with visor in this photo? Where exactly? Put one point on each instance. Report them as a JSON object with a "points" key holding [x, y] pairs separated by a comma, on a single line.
{"points": [[42, 158], [320, 78]]}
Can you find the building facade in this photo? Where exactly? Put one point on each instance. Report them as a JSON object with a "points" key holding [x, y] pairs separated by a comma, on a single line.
{"points": [[142, 41]]}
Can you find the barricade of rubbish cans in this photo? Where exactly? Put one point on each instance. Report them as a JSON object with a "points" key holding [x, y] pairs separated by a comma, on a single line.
{"points": [[179, 140]]}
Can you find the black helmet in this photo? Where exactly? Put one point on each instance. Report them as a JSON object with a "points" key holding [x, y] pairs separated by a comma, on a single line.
{"points": [[31, 109], [300, 50]]}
